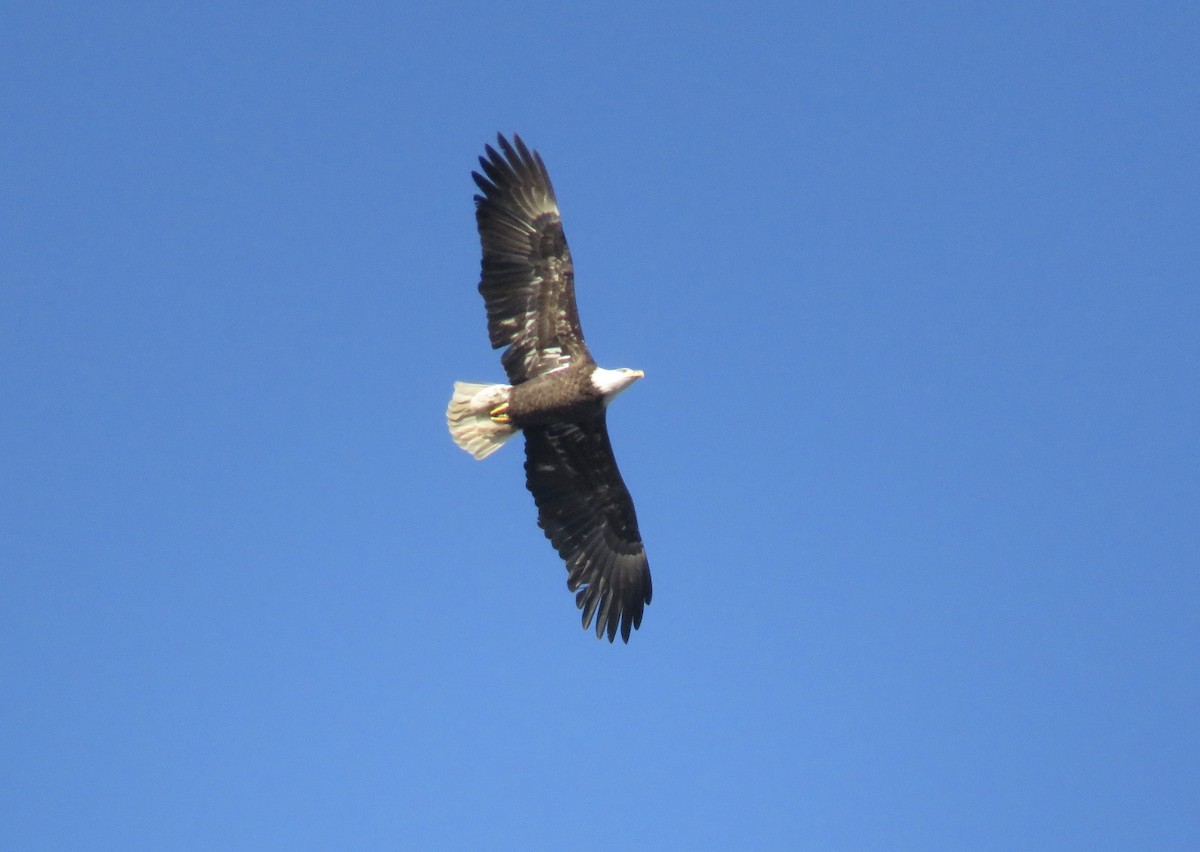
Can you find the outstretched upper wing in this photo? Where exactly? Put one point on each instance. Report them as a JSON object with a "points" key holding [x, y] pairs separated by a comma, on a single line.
{"points": [[587, 513], [528, 282]]}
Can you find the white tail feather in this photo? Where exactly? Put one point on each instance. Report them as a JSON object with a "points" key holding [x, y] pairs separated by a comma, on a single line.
{"points": [[470, 421]]}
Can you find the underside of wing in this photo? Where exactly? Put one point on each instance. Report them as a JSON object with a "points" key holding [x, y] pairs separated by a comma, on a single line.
{"points": [[587, 513], [527, 281]]}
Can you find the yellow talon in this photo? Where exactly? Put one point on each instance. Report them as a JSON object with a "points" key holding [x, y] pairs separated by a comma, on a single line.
{"points": [[499, 414]]}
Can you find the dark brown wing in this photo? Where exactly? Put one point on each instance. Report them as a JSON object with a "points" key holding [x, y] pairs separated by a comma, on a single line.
{"points": [[528, 281], [587, 513]]}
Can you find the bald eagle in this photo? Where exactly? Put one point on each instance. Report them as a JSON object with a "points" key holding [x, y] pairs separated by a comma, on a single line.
{"points": [[557, 395]]}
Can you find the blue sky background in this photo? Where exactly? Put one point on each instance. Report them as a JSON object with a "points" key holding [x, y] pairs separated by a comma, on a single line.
{"points": [[916, 459]]}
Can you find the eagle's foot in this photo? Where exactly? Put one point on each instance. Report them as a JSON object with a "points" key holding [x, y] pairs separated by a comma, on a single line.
{"points": [[499, 414]]}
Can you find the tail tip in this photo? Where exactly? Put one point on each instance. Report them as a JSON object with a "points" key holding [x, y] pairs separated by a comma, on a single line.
{"points": [[468, 417]]}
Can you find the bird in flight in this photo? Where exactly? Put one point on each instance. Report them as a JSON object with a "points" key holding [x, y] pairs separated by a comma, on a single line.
{"points": [[557, 395]]}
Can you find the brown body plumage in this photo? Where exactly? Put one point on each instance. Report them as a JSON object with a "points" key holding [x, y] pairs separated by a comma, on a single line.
{"points": [[567, 394]]}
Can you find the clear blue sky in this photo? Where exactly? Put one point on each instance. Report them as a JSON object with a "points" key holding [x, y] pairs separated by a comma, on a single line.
{"points": [[915, 287]]}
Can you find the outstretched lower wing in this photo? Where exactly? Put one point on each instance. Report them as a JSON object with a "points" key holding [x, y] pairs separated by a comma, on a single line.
{"points": [[587, 513], [527, 281]]}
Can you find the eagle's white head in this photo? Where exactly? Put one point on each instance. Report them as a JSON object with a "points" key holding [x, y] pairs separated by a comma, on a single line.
{"points": [[612, 382]]}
